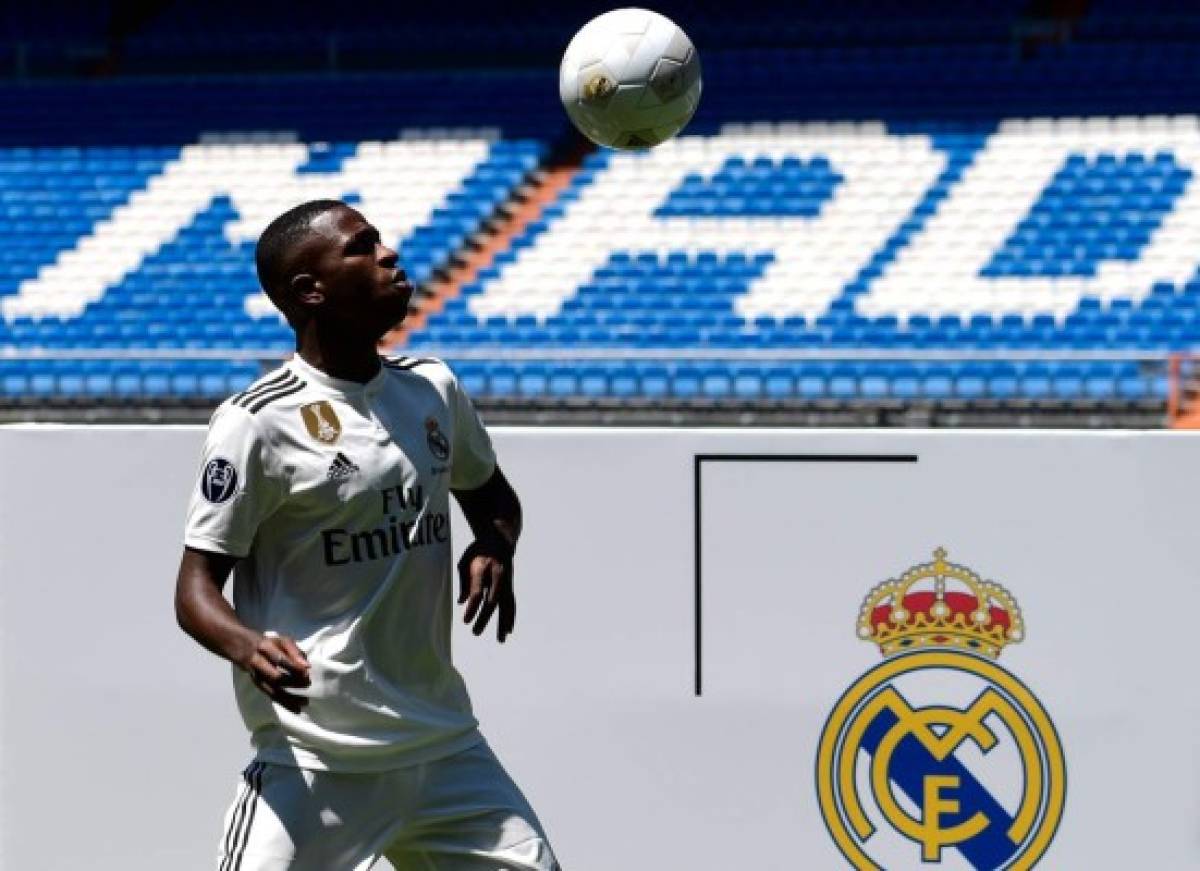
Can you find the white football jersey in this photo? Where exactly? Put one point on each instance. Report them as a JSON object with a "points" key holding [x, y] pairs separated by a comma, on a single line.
{"points": [[337, 496]]}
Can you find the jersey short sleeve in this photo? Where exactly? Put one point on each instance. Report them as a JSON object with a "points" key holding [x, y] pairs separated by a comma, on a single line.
{"points": [[237, 487], [473, 459]]}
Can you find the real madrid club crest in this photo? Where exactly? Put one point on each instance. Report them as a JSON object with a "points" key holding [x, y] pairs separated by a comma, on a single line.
{"points": [[938, 756], [321, 421], [439, 445]]}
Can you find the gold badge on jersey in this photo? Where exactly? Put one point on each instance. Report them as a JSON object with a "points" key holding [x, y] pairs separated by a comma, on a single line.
{"points": [[321, 421]]}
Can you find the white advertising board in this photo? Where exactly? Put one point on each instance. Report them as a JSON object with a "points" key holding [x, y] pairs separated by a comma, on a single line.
{"points": [[688, 645]]}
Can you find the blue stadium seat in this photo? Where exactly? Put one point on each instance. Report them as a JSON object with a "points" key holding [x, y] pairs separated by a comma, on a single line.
{"points": [[716, 385], [563, 382], [14, 378], [747, 383], [593, 381], [502, 381], [623, 382], [811, 385], [533, 380], [473, 378], [686, 382], [1066, 381], [654, 380], [937, 385], [905, 385], [779, 383], [875, 386]]}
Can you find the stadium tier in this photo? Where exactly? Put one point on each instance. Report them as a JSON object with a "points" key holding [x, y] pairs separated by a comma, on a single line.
{"points": [[756, 248], [1006, 232]]}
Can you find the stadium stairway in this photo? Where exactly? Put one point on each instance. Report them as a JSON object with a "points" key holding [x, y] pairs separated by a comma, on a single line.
{"points": [[526, 204]]}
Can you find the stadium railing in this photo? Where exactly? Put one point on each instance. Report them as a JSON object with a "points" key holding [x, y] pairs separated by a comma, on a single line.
{"points": [[692, 386]]}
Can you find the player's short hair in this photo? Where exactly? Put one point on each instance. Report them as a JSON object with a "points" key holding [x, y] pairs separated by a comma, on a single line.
{"points": [[271, 254]]}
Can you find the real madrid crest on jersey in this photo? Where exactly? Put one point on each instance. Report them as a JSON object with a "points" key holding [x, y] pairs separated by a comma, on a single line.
{"points": [[439, 445], [321, 421], [938, 756]]}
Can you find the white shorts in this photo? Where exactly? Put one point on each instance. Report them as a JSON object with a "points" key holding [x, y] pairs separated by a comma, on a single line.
{"points": [[461, 813]]}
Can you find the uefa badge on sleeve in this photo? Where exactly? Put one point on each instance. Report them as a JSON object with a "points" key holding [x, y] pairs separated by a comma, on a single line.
{"points": [[938, 756], [219, 481]]}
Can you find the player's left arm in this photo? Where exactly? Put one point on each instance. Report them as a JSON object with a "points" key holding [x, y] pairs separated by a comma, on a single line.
{"points": [[485, 572]]}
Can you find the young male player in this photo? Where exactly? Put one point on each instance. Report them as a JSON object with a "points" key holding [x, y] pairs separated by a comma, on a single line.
{"points": [[324, 488]]}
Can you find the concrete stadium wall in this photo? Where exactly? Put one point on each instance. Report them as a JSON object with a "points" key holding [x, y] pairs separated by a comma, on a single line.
{"points": [[120, 743]]}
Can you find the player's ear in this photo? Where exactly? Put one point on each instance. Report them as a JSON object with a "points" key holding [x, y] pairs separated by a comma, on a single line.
{"points": [[306, 290]]}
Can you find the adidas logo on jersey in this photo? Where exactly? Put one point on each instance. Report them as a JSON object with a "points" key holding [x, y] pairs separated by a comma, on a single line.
{"points": [[341, 467]]}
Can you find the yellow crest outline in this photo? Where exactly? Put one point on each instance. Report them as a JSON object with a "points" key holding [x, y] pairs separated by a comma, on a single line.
{"points": [[1036, 823]]}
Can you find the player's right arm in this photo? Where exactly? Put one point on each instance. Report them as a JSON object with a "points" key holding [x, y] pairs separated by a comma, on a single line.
{"points": [[240, 485], [274, 662]]}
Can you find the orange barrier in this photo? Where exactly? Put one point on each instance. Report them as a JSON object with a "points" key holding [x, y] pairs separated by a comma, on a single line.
{"points": [[1183, 397]]}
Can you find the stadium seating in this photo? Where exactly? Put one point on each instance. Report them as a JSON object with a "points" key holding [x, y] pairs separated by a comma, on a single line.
{"points": [[1026, 262], [100, 269], [193, 288], [672, 294]]}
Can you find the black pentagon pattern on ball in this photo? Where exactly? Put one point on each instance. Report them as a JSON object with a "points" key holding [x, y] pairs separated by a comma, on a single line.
{"points": [[638, 139], [667, 81], [675, 72]]}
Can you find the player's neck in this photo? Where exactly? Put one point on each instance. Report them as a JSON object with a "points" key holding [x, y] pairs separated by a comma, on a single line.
{"points": [[339, 356]]}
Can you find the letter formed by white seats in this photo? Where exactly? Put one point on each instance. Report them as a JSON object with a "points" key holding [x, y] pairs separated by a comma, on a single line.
{"points": [[399, 183], [938, 273], [883, 179]]}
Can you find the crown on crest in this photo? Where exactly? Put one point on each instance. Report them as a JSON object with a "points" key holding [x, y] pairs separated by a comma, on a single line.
{"points": [[940, 604]]}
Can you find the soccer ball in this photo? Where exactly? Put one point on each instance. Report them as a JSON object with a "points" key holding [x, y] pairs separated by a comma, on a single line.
{"points": [[630, 79]]}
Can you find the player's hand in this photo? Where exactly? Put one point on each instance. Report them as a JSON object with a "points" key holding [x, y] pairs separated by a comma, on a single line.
{"points": [[485, 586], [275, 663]]}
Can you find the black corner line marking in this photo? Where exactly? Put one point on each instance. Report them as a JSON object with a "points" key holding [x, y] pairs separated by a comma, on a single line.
{"points": [[698, 461], [697, 599]]}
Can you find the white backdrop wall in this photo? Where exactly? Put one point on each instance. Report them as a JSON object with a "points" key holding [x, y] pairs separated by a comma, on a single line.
{"points": [[120, 743]]}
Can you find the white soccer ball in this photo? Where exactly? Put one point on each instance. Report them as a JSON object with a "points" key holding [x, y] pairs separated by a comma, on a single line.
{"points": [[630, 79]]}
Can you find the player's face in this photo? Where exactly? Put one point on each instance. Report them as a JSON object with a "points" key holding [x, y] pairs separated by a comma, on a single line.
{"points": [[361, 282]]}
